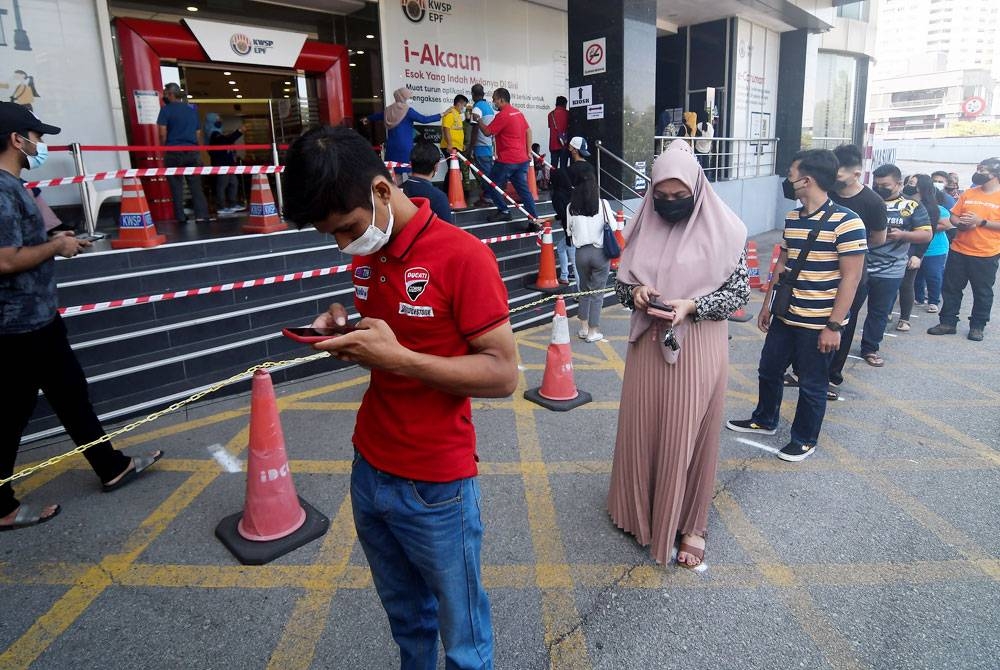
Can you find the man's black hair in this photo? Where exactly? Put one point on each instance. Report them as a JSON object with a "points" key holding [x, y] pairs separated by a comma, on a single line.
{"points": [[940, 173], [478, 91], [460, 98], [888, 170], [820, 164], [5, 142], [502, 94], [329, 170], [424, 157], [561, 101], [848, 155], [992, 166]]}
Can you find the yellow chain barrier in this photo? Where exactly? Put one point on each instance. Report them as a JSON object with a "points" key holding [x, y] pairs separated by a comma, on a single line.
{"points": [[220, 385]]}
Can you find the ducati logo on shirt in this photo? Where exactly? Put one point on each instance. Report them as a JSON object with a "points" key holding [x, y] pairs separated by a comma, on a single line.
{"points": [[416, 280]]}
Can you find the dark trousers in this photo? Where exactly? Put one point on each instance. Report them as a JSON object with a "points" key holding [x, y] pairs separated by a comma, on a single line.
{"points": [[906, 294], [225, 190], [881, 293], [42, 360], [559, 158], [981, 273], [186, 159], [847, 334], [786, 345], [516, 174]]}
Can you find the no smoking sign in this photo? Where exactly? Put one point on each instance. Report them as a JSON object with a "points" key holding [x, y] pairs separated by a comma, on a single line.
{"points": [[973, 107], [595, 56]]}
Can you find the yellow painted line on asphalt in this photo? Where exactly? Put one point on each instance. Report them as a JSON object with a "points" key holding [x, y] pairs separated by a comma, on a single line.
{"points": [[616, 361], [297, 646], [576, 355], [299, 396], [561, 622], [797, 599], [320, 406]]}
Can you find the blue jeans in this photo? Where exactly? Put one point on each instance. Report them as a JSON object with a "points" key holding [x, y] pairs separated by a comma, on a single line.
{"points": [[485, 163], [785, 345], [881, 292], [559, 158], [422, 541], [927, 285], [565, 254], [516, 174]]}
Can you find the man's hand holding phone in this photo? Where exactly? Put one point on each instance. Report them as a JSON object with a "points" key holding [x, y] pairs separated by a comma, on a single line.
{"points": [[371, 344]]}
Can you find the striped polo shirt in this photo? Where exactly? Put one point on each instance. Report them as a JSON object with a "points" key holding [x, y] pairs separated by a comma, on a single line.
{"points": [[816, 288]]}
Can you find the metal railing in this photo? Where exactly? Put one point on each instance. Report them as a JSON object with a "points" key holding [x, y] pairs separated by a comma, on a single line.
{"points": [[732, 157], [610, 179]]}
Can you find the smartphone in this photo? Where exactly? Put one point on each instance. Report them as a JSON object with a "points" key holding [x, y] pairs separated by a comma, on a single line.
{"points": [[310, 335], [658, 309], [87, 237]]}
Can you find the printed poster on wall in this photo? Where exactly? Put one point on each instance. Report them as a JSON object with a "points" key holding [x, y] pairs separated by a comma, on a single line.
{"points": [[440, 49]]}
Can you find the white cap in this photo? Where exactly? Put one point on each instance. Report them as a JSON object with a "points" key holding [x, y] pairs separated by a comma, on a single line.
{"points": [[580, 145]]}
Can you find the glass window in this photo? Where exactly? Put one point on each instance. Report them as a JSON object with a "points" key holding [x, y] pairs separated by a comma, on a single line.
{"points": [[854, 10], [835, 100]]}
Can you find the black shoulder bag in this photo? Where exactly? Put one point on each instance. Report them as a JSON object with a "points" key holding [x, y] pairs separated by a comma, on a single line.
{"points": [[781, 297]]}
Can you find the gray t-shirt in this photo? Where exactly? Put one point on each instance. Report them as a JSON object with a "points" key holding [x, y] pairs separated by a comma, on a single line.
{"points": [[889, 260], [28, 298]]}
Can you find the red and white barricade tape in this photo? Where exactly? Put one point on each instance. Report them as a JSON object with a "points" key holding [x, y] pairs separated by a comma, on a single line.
{"points": [[235, 286], [170, 172], [479, 173]]}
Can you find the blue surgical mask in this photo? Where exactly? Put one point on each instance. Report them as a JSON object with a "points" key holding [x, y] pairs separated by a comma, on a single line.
{"points": [[41, 154], [373, 238]]}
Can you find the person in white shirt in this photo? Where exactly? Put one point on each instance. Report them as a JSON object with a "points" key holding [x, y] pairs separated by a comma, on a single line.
{"points": [[585, 217], [704, 132]]}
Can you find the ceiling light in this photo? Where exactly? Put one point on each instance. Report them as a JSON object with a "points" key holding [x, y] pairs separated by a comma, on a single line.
{"points": [[190, 96], [287, 96], [371, 37], [360, 53], [192, 9], [239, 96], [227, 73], [231, 82], [288, 83], [354, 64], [287, 90], [236, 90]]}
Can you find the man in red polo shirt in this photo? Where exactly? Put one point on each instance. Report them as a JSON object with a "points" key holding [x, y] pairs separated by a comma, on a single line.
{"points": [[512, 134], [435, 331]]}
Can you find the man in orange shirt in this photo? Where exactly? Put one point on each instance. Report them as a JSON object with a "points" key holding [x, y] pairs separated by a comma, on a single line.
{"points": [[975, 252]]}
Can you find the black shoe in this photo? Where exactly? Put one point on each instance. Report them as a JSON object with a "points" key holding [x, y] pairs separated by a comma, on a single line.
{"points": [[942, 329], [748, 426], [796, 452], [532, 227], [976, 334], [790, 380], [499, 216]]}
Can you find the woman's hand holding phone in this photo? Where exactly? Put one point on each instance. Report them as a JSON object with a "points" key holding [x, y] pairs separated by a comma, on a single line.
{"points": [[641, 295]]}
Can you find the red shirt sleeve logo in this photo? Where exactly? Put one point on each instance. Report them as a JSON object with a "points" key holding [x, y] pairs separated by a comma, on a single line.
{"points": [[416, 280]]}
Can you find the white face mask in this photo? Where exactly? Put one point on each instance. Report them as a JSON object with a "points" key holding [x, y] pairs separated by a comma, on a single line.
{"points": [[939, 185], [373, 238]]}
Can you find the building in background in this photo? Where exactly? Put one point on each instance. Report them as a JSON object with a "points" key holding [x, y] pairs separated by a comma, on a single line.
{"points": [[937, 69]]}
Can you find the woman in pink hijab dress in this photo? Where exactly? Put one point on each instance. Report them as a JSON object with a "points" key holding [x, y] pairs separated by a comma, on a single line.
{"points": [[684, 251]]}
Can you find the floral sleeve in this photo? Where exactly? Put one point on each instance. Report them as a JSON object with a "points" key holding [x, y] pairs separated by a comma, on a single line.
{"points": [[716, 306], [720, 304]]}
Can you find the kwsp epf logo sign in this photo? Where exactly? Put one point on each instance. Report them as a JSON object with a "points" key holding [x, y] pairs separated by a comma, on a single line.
{"points": [[243, 45], [434, 11]]}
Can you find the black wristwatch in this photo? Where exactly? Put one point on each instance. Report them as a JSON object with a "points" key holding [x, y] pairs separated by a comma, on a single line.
{"points": [[834, 326]]}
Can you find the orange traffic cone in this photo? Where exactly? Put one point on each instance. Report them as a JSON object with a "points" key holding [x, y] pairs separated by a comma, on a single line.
{"points": [[546, 280], [558, 391], [770, 272], [620, 236], [274, 520], [263, 212], [532, 181], [456, 190], [753, 265], [512, 193], [135, 225]]}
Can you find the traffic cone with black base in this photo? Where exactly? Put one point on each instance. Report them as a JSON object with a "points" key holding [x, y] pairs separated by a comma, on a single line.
{"points": [[263, 217], [753, 265], [770, 272], [532, 181], [456, 189], [547, 282], [135, 225], [620, 237], [741, 315], [558, 391], [274, 520]]}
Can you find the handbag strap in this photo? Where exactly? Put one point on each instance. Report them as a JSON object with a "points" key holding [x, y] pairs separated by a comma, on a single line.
{"points": [[807, 247]]}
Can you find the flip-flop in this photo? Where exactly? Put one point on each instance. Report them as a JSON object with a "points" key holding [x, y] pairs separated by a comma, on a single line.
{"points": [[697, 552], [29, 515], [140, 464], [874, 360]]}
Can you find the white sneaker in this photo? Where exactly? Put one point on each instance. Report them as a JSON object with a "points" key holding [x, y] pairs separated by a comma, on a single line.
{"points": [[595, 337], [582, 334], [238, 208]]}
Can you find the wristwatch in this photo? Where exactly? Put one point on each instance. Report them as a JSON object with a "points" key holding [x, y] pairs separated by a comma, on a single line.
{"points": [[834, 326]]}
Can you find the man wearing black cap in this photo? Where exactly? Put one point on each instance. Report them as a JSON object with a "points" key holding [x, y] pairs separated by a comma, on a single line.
{"points": [[32, 334]]}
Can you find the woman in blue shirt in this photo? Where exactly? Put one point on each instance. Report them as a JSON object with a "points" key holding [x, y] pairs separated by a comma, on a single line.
{"points": [[399, 118], [927, 284]]}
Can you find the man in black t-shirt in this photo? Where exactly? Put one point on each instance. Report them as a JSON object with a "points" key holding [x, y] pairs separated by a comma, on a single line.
{"points": [[852, 194]]}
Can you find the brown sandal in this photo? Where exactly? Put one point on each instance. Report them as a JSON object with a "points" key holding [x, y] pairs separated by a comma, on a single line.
{"points": [[874, 360], [697, 552]]}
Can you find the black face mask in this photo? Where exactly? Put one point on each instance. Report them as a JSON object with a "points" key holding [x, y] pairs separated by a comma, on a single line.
{"points": [[981, 178], [883, 192], [166, 100], [909, 191], [788, 188], [674, 210], [840, 185]]}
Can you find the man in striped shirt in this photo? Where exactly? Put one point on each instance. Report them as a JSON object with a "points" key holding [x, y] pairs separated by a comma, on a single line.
{"points": [[809, 334]]}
